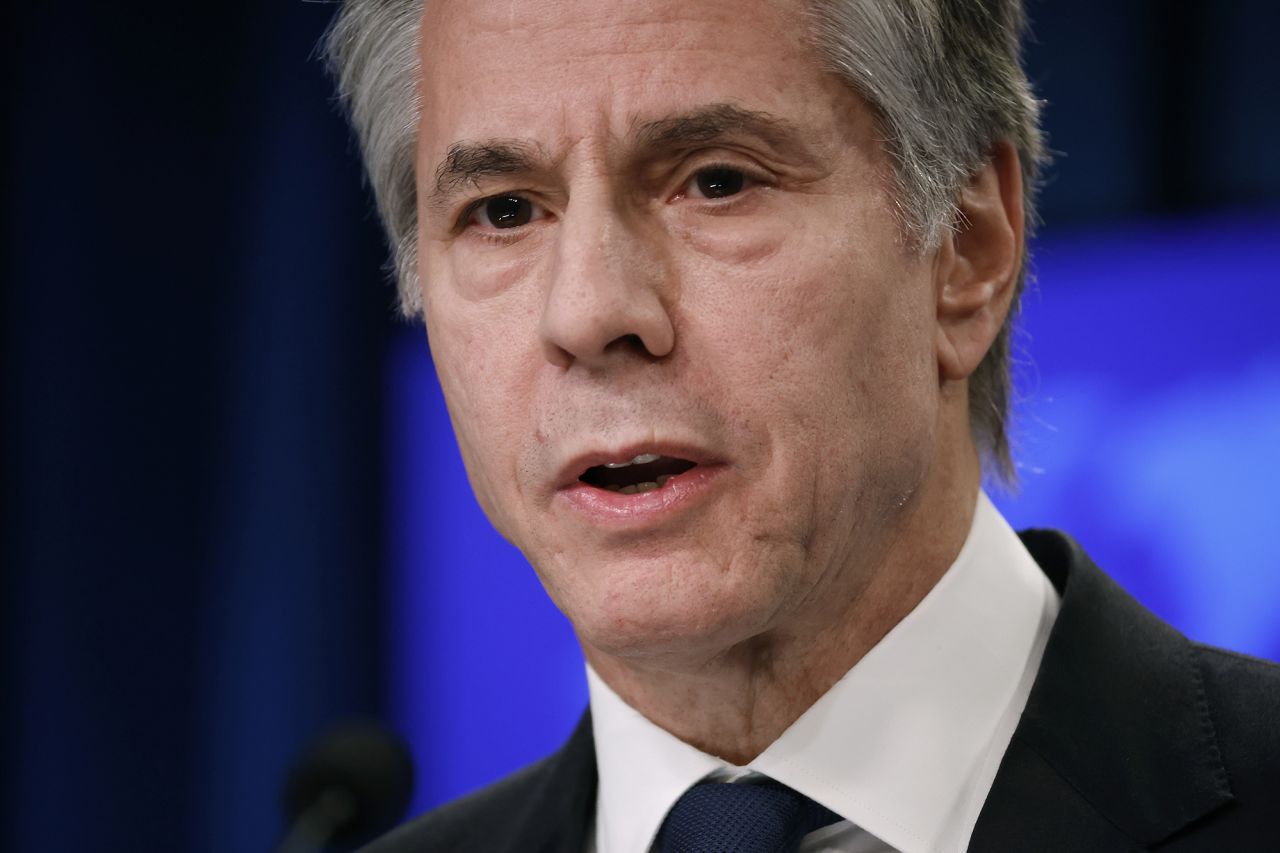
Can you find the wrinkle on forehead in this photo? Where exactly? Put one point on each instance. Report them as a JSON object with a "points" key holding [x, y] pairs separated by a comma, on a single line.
{"points": [[504, 16], [636, 51], [586, 29], [597, 81]]}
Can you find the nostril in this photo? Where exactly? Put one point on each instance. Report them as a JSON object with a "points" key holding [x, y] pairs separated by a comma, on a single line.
{"points": [[631, 341], [628, 343]]}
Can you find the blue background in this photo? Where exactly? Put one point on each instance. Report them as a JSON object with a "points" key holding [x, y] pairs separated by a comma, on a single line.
{"points": [[233, 512]]}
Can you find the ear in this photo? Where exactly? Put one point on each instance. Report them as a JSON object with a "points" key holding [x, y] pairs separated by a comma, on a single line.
{"points": [[978, 263]]}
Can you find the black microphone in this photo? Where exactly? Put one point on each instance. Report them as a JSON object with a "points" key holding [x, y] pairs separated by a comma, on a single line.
{"points": [[349, 785]]}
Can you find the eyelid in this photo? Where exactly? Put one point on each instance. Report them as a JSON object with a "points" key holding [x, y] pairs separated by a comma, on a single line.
{"points": [[463, 218], [470, 209], [756, 175]]}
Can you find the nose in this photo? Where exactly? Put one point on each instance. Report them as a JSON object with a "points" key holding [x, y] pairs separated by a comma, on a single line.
{"points": [[606, 295]]}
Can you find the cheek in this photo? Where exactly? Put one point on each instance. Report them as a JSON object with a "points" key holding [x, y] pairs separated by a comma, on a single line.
{"points": [[481, 328], [481, 366], [826, 338], [770, 305], [742, 245], [479, 269]]}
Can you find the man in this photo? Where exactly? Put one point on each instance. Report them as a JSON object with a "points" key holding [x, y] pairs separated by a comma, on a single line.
{"points": [[719, 294]]}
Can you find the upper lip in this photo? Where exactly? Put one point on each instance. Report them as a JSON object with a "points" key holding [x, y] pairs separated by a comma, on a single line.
{"points": [[575, 467]]}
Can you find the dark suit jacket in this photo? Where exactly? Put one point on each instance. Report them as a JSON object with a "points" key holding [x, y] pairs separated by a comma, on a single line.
{"points": [[1133, 738]]}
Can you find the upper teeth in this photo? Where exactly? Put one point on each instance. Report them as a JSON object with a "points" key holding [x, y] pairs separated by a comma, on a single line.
{"points": [[642, 459]]}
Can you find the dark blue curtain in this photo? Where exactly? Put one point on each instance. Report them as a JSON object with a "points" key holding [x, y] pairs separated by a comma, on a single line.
{"points": [[1156, 108], [194, 329]]}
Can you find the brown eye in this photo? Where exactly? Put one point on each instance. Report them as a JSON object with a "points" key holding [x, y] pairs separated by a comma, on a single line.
{"points": [[719, 182], [507, 211]]}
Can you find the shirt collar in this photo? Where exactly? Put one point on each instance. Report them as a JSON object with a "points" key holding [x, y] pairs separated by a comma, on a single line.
{"points": [[905, 745]]}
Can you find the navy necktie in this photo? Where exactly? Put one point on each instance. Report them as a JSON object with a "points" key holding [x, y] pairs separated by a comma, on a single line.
{"points": [[717, 817]]}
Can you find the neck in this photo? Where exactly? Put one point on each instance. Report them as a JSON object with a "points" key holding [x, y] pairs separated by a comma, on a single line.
{"points": [[736, 703]]}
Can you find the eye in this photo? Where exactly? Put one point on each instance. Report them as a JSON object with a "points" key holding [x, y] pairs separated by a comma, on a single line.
{"points": [[718, 182], [504, 211]]}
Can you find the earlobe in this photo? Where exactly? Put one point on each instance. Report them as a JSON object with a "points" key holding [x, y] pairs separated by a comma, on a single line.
{"points": [[979, 264]]}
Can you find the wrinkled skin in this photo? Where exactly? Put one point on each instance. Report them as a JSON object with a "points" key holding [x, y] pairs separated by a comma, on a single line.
{"points": [[780, 324]]}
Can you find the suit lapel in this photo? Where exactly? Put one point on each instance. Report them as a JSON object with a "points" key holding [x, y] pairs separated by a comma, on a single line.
{"points": [[1115, 749], [558, 812]]}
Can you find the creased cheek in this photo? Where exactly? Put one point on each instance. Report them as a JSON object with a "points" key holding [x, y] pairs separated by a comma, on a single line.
{"points": [[465, 396], [490, 481], [490, 392]]}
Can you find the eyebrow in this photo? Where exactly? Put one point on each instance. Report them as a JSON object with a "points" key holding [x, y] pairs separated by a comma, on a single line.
{"points": [[713, 122], [467, 163]]}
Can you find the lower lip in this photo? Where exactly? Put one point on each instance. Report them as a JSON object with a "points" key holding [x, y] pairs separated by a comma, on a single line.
{"points": [[614, 509]]}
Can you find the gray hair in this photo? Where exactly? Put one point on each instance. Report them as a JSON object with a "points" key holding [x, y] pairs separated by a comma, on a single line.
{"points": [[943, 76]]}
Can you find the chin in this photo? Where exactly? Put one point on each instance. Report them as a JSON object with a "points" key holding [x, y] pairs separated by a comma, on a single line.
{"points": [[639, 618]]}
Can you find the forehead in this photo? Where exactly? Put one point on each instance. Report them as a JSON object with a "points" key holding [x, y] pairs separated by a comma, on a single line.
{"points": [[563, 69]]}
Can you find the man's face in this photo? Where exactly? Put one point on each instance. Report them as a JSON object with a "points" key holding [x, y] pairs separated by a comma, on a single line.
{"points": [[665, 230]]}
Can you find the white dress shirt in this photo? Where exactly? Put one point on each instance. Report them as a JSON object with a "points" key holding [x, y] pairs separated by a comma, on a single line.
{"points": [[905, 746]]}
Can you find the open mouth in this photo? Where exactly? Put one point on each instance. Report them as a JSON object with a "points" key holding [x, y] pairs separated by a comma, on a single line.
{"points": [[644, 473]]}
